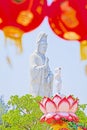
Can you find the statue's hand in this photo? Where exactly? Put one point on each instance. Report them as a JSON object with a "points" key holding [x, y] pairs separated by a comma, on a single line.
{"points": [[45, 66], [47, 61]]}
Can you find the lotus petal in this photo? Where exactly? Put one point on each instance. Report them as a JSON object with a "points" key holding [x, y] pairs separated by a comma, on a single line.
{"points": [[57, 117], [74, 117], [49, 118], [63, 114], [74, 107], [56, 99], [70, 99], [50, 106], [42, 108], [72, 114], [70, 118], [44, 100], [63, 105], [42, 119]]}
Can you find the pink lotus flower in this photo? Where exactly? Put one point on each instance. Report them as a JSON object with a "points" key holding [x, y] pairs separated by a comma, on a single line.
{"points": [[59, 108]]}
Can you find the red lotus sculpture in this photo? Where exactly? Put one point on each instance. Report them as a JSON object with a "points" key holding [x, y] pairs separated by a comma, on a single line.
{"points": [[58, 110]]}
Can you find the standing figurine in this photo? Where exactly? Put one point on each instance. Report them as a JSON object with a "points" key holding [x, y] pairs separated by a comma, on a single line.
{"points": [[58, 80]]}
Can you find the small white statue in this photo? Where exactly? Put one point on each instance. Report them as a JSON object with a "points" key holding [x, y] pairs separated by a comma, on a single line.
{"points": [[58, 80], [41, 76]]}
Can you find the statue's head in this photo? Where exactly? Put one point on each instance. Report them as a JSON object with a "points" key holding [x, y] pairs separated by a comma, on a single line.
{"points": [[57, 73], [42, 42]]}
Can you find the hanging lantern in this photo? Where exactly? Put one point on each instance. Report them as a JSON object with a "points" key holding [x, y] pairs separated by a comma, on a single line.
{"points": [[20, 16], [67, 19]]}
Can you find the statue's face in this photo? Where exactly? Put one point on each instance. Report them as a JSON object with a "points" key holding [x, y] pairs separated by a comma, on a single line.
{"points": [[43, 48]]}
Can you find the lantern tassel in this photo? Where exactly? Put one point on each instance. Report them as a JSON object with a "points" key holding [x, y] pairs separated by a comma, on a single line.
{"points": [[83, 50], [14, 34]]}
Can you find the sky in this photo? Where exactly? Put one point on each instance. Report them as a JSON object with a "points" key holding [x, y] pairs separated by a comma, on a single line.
{"points": [[15, 78]]}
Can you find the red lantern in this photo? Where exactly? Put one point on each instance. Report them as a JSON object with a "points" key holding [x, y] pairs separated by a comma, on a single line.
{"points": [[68, 19], [20, 16]]}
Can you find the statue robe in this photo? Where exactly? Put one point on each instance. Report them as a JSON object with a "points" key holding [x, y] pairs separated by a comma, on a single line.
{"points": [[41, 77]]}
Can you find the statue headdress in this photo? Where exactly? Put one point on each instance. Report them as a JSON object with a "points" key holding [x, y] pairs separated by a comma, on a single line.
{"points": [[41, 38]]}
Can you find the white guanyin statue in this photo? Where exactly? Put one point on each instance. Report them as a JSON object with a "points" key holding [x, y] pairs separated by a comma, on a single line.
{"points": [[41, 77]]}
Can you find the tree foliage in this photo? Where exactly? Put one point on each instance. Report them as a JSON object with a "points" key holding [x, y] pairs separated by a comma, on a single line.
{"points": [[81, 114], [24, 114], [3, 108], [82, 118]]}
